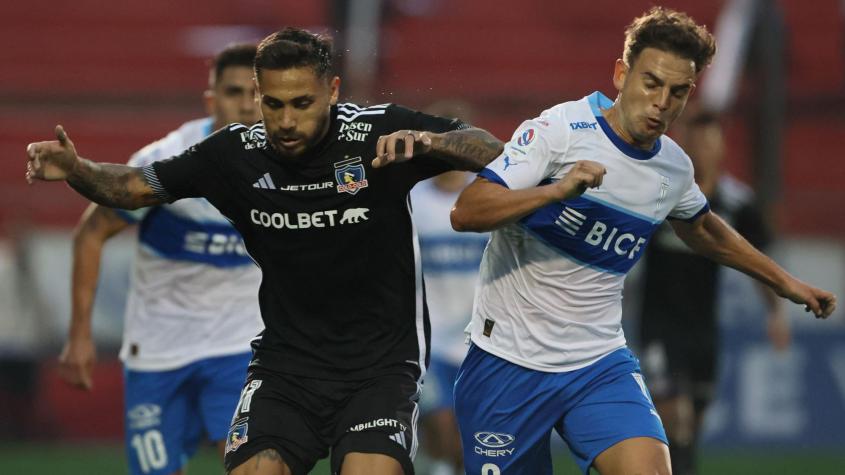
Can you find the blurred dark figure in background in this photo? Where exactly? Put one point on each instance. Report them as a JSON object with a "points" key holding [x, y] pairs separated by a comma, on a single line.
{"points": [[679, 321]]}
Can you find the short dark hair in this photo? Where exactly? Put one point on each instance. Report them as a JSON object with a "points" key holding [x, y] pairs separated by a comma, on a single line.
{"points": [[671, 31], [235, 54], [294, 48]]}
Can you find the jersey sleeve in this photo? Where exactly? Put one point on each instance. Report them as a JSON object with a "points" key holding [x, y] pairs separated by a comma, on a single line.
{"points": [[147, 155], [528, 157], [692, 204], [191, 174]]}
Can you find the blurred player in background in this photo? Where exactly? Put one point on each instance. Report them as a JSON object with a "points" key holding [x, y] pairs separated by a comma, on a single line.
{"points": [[192, 307], [678, 316], [573, 200], [450, 266], [339, 366]]}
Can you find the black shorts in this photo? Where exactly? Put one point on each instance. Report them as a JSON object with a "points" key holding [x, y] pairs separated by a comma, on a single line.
{"points": [[678, 367], [305, 418]]}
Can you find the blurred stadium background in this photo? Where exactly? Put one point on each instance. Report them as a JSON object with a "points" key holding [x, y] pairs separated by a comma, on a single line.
{"points": [[120, 74]]}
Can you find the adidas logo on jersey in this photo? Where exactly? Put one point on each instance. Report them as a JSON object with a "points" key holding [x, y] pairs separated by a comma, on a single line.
{"points": [[399, 438], [265, 183]]}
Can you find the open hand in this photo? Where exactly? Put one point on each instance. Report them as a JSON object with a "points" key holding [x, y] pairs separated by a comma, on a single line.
{"points": [[52, 160], [401, 146]]}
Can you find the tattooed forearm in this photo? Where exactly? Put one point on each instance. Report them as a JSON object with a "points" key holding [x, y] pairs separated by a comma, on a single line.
{"points": [[468, 149], [115, 186]]}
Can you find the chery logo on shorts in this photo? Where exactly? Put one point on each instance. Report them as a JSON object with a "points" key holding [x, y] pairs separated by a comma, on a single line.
{"points": [[494, 439]]}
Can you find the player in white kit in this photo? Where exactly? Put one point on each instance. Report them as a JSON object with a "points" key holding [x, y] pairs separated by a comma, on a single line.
{"points": [[572, 201], [192, 307], [450, 267]]}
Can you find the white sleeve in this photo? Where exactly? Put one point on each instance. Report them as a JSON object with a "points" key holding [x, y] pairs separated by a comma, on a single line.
{"points": [[529, 155], [692, 204]]}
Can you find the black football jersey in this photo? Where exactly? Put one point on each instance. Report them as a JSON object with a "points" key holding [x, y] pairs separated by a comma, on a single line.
{"points": [[342, 293]]}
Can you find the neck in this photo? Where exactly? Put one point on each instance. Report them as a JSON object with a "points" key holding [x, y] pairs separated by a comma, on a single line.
{"points": [[613, 116]]}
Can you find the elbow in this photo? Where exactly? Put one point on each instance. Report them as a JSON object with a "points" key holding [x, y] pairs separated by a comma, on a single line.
{"points": [[458, 220], [462, 221]]}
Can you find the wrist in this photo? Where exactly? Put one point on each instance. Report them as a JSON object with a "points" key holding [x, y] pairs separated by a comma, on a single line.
{"points": [[436, 141]]}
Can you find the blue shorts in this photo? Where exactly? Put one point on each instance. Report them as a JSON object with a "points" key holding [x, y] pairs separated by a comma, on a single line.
{"points": [[438, 387], [506, 412], [169, 412]]}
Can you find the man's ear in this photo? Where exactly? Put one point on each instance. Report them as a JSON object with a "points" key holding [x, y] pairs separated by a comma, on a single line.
{"points": [[620, 73], [209, 99], [335, 87]]}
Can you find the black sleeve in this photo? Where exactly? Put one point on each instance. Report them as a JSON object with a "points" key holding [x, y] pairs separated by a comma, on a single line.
{"points": [[191, 174], [424, 166], [751, 224]]}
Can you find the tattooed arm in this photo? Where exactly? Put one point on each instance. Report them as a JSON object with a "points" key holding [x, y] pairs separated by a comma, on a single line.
{"points": [[115, 186], [465, 149]]}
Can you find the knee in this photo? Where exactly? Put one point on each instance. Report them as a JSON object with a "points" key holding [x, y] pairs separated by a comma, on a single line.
{"points": [[266, 462]]}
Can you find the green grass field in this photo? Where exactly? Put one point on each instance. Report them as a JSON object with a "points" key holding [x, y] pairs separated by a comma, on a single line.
{"points": [[34, 459]]}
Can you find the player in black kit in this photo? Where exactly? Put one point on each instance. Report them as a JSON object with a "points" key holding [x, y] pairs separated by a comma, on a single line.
{"points": [[340, 363]]}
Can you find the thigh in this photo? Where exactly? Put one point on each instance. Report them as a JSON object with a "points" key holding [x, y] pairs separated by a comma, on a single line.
{"points": [[380, 416], [505, 414], [161, 425], [219, 389], [276, 415], [635, 455], [611, 405]]}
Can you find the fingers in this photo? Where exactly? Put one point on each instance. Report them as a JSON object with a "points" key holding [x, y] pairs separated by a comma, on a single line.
{"points": [[61, 135], [386, 146], [409, 138], [828, 305]]}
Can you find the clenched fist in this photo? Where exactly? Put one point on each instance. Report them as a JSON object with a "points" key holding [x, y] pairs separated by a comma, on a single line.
{"points": [[584, 174]]}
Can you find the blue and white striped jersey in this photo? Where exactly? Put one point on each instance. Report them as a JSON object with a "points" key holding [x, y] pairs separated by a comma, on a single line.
{"points": [[550, 291], [194, 289], [450, 265]]}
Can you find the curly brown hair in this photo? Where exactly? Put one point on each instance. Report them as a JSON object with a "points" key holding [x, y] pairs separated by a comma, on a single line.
{"points": [[671, 31]]}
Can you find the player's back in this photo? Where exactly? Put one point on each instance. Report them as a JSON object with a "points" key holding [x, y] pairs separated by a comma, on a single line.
{"points": [[551, 284], [194, 288]]}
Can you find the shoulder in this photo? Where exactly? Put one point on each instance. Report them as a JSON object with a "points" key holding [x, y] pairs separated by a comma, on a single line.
{"points": [[348, 111], [173, 143], [675, 158]]}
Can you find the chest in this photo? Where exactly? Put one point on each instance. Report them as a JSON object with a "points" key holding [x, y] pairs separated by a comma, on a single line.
{"points": [[650, 188]]}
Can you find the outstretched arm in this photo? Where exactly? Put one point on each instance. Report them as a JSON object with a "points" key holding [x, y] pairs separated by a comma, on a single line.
{"points": [[485, 206], [97, 225], [712, 237], [115, 186], [465, 149]]}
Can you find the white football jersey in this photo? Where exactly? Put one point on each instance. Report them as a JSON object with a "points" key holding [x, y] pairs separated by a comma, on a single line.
{"points": [[450, 263], [550, 289], [194, 289]]}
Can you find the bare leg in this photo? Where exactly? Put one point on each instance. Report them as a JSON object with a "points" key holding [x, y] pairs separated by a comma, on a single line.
{"points": [[357, 463], [266, 462], [636, 456], [679, 420], [443, 441]]}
